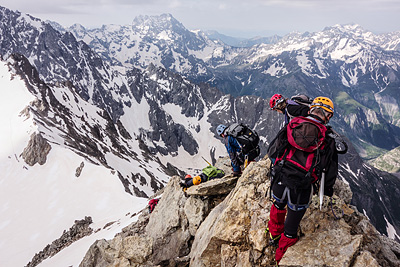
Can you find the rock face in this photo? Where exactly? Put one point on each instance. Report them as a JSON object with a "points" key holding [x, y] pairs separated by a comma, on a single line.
{"points": [[77, 231], [37, 150], [229, 230]]}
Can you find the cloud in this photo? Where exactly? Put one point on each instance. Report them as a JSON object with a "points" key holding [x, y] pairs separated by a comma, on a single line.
{"points": [[249, 17]]}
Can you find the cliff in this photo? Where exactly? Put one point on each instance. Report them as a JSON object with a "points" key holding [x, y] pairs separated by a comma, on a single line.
{"points": [[207, 227]]}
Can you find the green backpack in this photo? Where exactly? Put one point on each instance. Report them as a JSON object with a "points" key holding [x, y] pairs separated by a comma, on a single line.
{"points": [[213, 172]]}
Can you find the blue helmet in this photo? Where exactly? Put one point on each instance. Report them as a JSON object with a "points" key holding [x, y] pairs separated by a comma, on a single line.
{"points": [[220, 129]]}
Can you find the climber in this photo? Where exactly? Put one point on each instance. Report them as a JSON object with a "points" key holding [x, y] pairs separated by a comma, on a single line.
{"points": [[208, 173], [241, 143], [152, 204], [304, 152], [295, 106]]}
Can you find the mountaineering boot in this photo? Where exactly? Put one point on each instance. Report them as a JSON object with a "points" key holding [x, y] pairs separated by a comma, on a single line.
{"points": [[272, 241], [276, 224], [237, 174], [284, 243]]}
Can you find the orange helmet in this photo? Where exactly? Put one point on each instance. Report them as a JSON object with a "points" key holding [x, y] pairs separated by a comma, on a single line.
{"points": [[196, 180], [324, 103]]}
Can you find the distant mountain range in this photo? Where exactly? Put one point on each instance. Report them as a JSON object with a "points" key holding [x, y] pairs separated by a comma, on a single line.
{"points": [[241, 42], [356, 68]]}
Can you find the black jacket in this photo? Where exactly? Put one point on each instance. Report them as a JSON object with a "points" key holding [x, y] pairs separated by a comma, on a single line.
{"points": [[295, 110]]}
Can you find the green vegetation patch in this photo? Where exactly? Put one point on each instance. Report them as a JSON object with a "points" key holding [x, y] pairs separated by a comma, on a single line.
{"points": [[347, 103]]}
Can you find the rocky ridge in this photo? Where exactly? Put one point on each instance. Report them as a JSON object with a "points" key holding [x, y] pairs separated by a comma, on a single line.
{"points": [[388, 162], [79, 230], [188, 229]]}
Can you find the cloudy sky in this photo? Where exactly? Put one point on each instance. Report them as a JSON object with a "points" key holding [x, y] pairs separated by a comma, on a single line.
{"points": [[241, 18]]}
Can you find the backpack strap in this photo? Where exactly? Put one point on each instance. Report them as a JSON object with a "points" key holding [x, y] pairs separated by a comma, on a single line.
{"points": [[276, 168]]}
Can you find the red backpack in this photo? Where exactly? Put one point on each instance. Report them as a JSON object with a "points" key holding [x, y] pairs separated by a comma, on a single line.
{"points": [[297, 165], [152, 204]]}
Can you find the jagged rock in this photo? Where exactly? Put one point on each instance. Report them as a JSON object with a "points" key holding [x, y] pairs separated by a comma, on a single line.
{"points": [[343, 191], [365, 259], [224, 164], [214, 187], [80, 229], [195, 210], [232, 220], [168, 224], [159, 237], [79, 169], [334, 247], [189, 230], [136, 248], [37, 150]]}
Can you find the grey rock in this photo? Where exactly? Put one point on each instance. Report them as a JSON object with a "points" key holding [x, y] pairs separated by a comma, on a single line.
{"points": [[79, 230], [213, 187], [168, 225], [191, 230], [195, 210], [37, 150], [79, 169], [365, 259]]}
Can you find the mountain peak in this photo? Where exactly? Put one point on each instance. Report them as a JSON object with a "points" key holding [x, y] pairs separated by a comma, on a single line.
{"points": [[165, 20], [351, 28]]}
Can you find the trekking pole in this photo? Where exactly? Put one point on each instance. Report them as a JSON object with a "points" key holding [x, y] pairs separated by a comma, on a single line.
{"points": [[206, 161], [321, 191]]}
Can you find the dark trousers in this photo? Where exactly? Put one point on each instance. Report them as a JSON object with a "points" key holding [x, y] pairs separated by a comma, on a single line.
{"points": [[297, 202]]}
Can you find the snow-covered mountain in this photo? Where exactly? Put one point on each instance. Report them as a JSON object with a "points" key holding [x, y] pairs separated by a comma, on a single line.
{"points": [[241, 42], [132, 129], [39, 202], [356, 68], [162, 41], [162, 128]]}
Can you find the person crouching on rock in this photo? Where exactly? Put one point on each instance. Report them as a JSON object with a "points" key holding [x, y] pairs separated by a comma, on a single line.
{"points": [[208, 173], [234, 150], [304, 153]]}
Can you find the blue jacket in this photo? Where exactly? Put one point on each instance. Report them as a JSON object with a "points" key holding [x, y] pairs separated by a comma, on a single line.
{"points": [[234, 149]]}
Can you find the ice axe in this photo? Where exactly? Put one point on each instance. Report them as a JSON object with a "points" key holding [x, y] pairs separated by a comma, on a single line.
{"points": [[246, 161], [321, 191], [206, 161]]}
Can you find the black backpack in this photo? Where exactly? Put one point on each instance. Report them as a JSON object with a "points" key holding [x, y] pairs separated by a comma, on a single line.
{"points": [[302, 99], [246, 137]]}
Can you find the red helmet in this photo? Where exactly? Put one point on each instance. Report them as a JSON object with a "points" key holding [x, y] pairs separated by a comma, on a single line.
{"points": [[188, 176], [275, 100]]}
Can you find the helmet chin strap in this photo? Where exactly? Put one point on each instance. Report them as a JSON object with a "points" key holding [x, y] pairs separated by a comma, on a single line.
{"points": [[326, 118]]}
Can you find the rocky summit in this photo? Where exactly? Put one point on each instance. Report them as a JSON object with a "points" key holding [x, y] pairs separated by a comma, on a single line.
{"points": [[191, 228]]}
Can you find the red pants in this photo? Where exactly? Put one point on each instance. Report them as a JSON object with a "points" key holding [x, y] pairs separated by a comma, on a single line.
{"points": [[276, 223]]}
